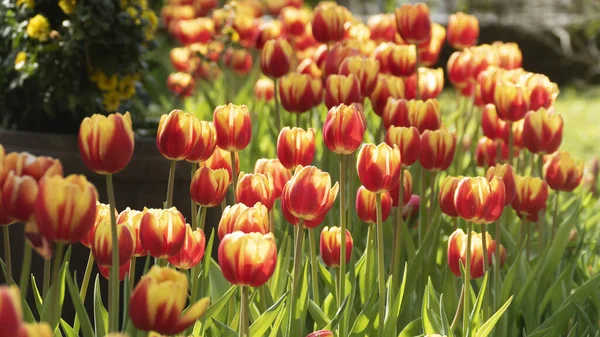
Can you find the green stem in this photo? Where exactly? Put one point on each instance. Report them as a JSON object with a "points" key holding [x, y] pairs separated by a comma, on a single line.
{"points": [[233, 174], [299, 236], [497, 285], [529, 239], [196, 268], [171, 184], [423, 206], [263, 298], [84, 287], [461, 301], [47, 271], [555, 216], [485, 265], [313, 265], [342, 288], [277, 112], [7, 258], [113, 281], [510, 143], [466, 308], [368, 263], [397, 237], [193, 203], [432, 196], [418, 92], [132, 272], [244, 312], [298, 120], [56, 266], [381, 266], [26, 270]]}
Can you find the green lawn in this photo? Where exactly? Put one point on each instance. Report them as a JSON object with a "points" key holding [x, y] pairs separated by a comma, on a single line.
{"points": [[580, 110]]}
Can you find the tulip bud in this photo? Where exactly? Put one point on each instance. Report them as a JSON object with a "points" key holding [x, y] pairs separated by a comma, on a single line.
{"points": [[506, 172], [483, 57], [340, 89], [459, 68], [344, 129], [205, 144], [19, 194], [240, 217], [309, 194], [209, 187], [233, 127], [330, 59], [486, 83], [542, 131], [530, 197], [56, 194], [248, 259], [431, 84], [493, 127], [309, 67], [510, 55], [365, 69], [328, 22], [26, 164], [378, 167], [561, 172], [295, 147], [275, 58], [320, 333], [366, 206], [158, 300], [429, 51], [413, 22], [463, 30], [102, 242], [102, 214], [543, 92], [131, 218], [478, 200], [396, 113], [252, 188], [221, 159], [511, 100], [383, 27], [408, 141], [386, 87], [402, 60], [294, 20], [300, 92], [198, 30], [486, 153], [437, 149], [278, 172], [192, 251], [331, 239], [238, 60], [446, 195], [181, 84], [264, 89], [154, 226], [36, 330], [408, 188], [424, 115], [457, 252], [267, 31], [10, 307], [177, 134], [123, 270]]}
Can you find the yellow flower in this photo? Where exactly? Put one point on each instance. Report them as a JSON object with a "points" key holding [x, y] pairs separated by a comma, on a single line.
{"points": [[27, 3], [68, 6], [153, 24], [20, 60], [106, 83], [38, 28], [112, 101], [133, 12]]}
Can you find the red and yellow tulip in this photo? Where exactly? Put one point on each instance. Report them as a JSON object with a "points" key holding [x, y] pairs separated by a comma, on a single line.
{"points": [[309, 194], [366, 205], [379, 167], [162, 231], [192, 251], [437, 149], [275, 58], [408, 140], [413, 22], [341, 89], [343, 129], [295, 146], [463, 30], [542, 131], [507, 173], [479, 200], [300, 92], [233, 127], [248, 259], [457, 253], [255, 187], [530, 197], [330, 242], [561, 172]]}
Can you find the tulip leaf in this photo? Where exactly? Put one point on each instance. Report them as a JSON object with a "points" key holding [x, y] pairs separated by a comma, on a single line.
{"points": [[393, 313], [84, 319], [218, 306], [326, 276], [411, 329], [507, 285], [218, 284], [262, 324], [37, 297], [277, 325], [488, 326], [52, 306], [27, 313], [551, 331], [301, 303], [317, 314], [3, 267], [431, 324], [100, 313], [67, 329], [475, 314], [338, 315], [278, 282], [365, 320], [555, 289], [224, 329]]}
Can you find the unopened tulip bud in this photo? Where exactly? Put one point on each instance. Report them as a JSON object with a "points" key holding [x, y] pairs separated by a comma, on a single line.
{"points": [[507, 173], [424, 115], [154, 224], [198, 30], [446, 195], [294, 20], [383, 27], [240, 217], [233, 127], [493, 127], [300, 92], [511, 100], [335, 56], [510, 55], [328, 23], [19, 195], [437, 149], [431, 84], [123, 270], [486, 152], [239, 60], [26, 164], [36, 330], [309, 194], [56, 194], [176, 135], [158, 300], [181, 84], [379, 167], [479, 200], [209, 187], [278, 172], [344, 129], [530, 197], [364, 68], [10, 310], [457, 253], [406, 194], [543, 92], [275, 58], [386, 87], [463, 30], [264, 89], [221, 159], [295, 147], [248, 259], [561, 172], [366, 205], [340, 89], [192, 251], [542, 131], [486, 83], [402, 60], [330, 246], [413, 22], [252, 188], [408, 140], [131, 218], [267, 31], [102, 242], [459, 68]]}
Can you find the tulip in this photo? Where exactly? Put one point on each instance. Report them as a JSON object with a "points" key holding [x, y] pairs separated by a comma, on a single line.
{"points": [[408, 141], [494, 127], [267, 31], [221, 159], [437, 149], [264, 89], [486, 83], [276, 170], [248, 259], [366, 208], [510, 55], [424, 115], [209, 187], [206, 142], [457, 247], [240, 217], [158, 300], [42, 329], [26, 164], [177, 134], [378, 167], [333, 57], [381, 54], [328, 22], [124, 269], [102, 214], [408, 188], [507, 173], [364, 68], [180, 59], [542, 131], [530, 197], [486, 152], [309, 67], [459, 68], [19, 194], [198, 30], [482, 58], [162, 231], [463, 30], [402, 60], [295, 147], [344, 129], [413, 22], [192, 251], [309, 194], [386, 87], [275, 58], [429, 52], [431, 84], [101, 242], [383, 27], [233, 127], [511, 100], [396, 113], [320, 333], [181, 84], [479, 200], [340, 89], [239, 60], [294, 20], [410, 211], [252, 188], [131, 218], [543, 92], [10, 309], [331, 238], [446, 195], [56, 194], [561, 172], [300, 92]]}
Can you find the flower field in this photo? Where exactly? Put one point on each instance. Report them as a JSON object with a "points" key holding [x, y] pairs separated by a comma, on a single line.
{"points": [[357, 196]]}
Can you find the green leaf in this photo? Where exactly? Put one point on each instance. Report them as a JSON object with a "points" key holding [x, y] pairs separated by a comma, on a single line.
{"points": [[509, 280], [262, 324], [338, 315], [475, 313], [37, 297], [224, 329], [393, 313], [52, 306], [69, 332], [317, 314], [219, 285], [298, 313], [27, 313], [218, 306], [84, 319], [431, 324], [551, 331], [488, 326], [365, 320], [100, 313], [278, 282], [326, 276], [277, 326], [412, 329]]}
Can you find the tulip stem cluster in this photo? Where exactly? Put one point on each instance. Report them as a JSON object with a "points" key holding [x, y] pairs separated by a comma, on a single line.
{"points": [[467, 286], [84, 286], [485, 264], [342, 288], [299, 236], [171, 184], [277, 110], [244, 308], [56, 266], [113, 308], [381, 265], [397, 234], [26, 268], [313, 265], [7, 257]]}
